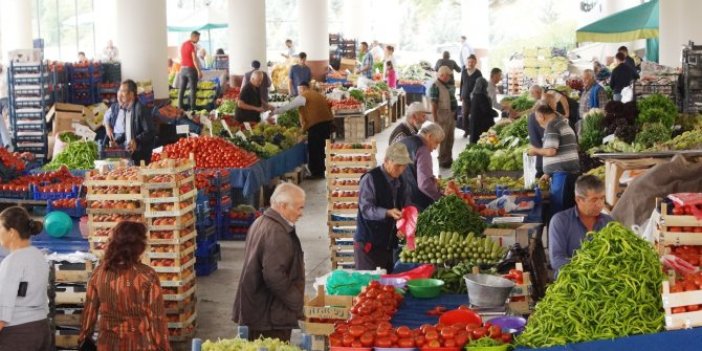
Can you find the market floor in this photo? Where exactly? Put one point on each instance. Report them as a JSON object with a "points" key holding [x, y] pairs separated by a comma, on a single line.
{"points": [[216, 292]]}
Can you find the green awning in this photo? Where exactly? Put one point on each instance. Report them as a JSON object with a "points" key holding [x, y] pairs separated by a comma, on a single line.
{"points": [[203, 27], [640, 22]]}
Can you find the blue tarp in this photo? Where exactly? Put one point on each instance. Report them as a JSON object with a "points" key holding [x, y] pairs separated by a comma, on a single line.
{"points": [[679, 340]]}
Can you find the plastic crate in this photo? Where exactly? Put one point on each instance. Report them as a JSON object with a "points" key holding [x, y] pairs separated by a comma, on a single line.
{"points": [[38, 195], [206, 233], [412, 89], [205, 266], [207, 249], [76, 212], [113, 153], [232, 237]]}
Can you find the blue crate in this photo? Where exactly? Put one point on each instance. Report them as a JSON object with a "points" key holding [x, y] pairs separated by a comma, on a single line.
{"points": [[38, 195], [413, 89], [232, 237], [205, 269], [205, 234], [76, 212], [242, 223], [207, 250], [336, 80], [19, 195]]}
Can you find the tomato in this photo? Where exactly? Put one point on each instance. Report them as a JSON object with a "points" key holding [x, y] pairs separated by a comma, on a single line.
{"points": [[356, 344], [472, 326], [693, 308], [420, 340], [383, 342], [448, 333], [678, 210], [479, 333], [403, 332], [434, 344], [431, 335], [506, 338], [461, 339], [346, 340], [335, 341], [449, 343], [679, 310], [389, 289], [495, 331], [394, 338], [367, 339], [406, 343]]}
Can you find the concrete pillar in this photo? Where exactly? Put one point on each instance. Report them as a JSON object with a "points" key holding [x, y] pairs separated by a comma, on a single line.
{"points": [[247, 35], [476, 28], [16, 21], [678, 25], [314, 35], [105, 25], [142, 42]]}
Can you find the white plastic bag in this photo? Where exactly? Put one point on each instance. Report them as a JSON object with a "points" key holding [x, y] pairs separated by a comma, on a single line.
{"points": [[529, 170]]}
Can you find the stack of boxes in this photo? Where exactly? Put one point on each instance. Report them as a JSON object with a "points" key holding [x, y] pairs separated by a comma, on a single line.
{"points": [[345, 163], [68, 289], [83, 80]]}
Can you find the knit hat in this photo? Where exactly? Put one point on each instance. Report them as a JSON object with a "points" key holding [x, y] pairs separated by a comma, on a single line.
{"points": [[398, 154]]}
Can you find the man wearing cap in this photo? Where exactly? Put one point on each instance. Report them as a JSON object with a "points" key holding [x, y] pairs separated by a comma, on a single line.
{"points": [[382, 195], [415, 116], [265, 84], [316, 119]]}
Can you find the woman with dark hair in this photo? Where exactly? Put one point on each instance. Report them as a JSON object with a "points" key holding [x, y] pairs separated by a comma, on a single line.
{"points": [[127, 296], [24, 276], [482, 115]]}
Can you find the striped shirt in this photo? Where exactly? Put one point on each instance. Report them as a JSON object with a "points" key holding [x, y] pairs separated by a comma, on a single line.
{"points": [[560, 136]]}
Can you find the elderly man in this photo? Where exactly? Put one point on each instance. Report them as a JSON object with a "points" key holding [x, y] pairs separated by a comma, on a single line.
{"points": [[366, 68], [316, 119], [190, 69], [250, 105], [469, 76], [443, 108], [495, 79], [446, 60], [382, 195], [594, 94], [271, 290], [299, 73], [568, 228], [265, 84], [419, 175], [128, 123], [415, 117]]}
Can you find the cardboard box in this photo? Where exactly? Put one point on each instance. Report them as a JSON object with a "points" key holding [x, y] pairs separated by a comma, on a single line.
{"points": [[347, 64], [614, 169], [515, 233], [323, 306], [64, 115]]}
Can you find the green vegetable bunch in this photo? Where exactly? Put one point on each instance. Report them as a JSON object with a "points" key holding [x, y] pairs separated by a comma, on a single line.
{"points": [[245, 345], [76, 155], [472, 161], [227, 107], [507, 160], [610, 289], [516, 129], [450, 214], [357, 94], [68, 137], [289, 119], [451, 248], [657, 108], [685, 141], [592, 129], [522, 103], [652, 134]]}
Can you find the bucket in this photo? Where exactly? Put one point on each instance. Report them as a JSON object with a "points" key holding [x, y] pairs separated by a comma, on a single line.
{"points": [[487, 290]]}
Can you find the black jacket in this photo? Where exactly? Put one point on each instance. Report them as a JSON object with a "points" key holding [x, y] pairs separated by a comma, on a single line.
{"points": [[143, 130], [482, 116], [622, 76], [468, 82]]}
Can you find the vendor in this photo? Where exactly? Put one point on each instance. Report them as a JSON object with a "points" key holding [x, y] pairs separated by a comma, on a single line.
{"points": [[567, 229], [382, 195], [250, 105], [316, 119], [419, 175], [366, 68], [265, 83], [128, 123], [536, 132], [561, 161], [594, 94], [415, 117]]}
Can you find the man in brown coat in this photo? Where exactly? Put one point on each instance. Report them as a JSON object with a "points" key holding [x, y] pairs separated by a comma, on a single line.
{"points": [[270, 295]]}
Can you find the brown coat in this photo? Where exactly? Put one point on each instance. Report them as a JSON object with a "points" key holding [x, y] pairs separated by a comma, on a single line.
{"points": [[315, 111], [271, 290]]}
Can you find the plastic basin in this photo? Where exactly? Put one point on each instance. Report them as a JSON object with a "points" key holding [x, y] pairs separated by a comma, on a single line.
{"points": [[511, 323], [57, 224], [460, 316], [486, 290], [425, 288]]}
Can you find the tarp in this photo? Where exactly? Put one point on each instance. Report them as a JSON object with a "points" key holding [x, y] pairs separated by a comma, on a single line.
{"points": [[205, 19], [640, 22]]}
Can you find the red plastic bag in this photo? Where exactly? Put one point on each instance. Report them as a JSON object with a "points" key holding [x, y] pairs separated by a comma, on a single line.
{"points": [[407, 225], [422, 272], [691, 200]]}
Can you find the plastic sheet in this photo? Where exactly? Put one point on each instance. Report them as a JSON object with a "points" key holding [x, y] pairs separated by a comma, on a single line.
{"points": [[341, 282]]}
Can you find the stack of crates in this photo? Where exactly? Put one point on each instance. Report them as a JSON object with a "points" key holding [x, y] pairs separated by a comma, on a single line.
{"points": [[112, 197], [169, 194], [30, 98], [242, 217], [83, 83], [220, 201], [345, 163], [68, 290], [214, 185]]}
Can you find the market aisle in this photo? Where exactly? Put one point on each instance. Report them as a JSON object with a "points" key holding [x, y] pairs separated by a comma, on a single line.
{"points": [[216, 292]]}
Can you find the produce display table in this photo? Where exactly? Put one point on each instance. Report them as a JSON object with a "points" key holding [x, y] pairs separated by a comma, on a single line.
{"points": [[68, 244], [412, 312], [285, 161], [679, 340], [249, 180]]}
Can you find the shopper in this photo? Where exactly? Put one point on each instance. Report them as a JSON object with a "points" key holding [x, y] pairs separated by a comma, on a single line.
{"points": [[265, 83], [568, 228], [469, 76], [299, 73], [382, 196], [190, 70], [126, 295], [593, 95], [24, 274], [558, 101], [271, 290], [415, 116], [82, 59], [536, 132], [419, 175], [250, 105], [443, 108], [128, 123], [377, 51], [560, 156], [390, 75], [366, 61], [627, 59], [446, 60], [466, 50], [389, 56], [289, 52], [203, 59], [495, 79], [110, 52], [482, 115], [316, 119], [622, 76]]}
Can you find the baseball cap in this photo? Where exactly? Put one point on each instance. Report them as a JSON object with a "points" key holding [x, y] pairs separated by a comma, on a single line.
{"points": [[398, 154], [416, 107]]}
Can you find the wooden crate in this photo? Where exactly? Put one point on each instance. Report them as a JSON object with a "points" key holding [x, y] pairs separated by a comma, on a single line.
{"points": [[68, 272], [370, 149], [672, 300], [123, 193], [173, 182], [156, 250], [172, 266], [175, 198], [70, 294], [177, 278], [67, 339], [171, 167], [175, 223], [354, 128], [663, 222], [150, 213], [112, 210], [614, 169], [68, 317], [325, 307], [516, 233]]}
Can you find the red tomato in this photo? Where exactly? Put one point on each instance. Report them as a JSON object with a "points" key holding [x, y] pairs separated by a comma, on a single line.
{"points": [[420, 340], [693, 308], [367, 339], [356, 344], [679, 310], [506, 338], [406, 343], [346, 340], [495, 332], [434, 344], [384, 342], [461, 339], [448, 333], [479, 333], [450, 343], [403, 332]]}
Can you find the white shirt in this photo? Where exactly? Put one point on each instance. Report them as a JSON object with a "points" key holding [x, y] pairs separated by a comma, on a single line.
{"points": [[492, 93], [121, 125], [24, 265], [110, 54], [466, 50], [298, 101]]}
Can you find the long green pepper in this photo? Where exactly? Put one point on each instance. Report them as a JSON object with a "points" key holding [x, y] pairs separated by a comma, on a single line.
{"points": [[611, 288]]}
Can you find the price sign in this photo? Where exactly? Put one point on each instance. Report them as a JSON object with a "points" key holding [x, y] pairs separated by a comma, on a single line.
{"points": [[182, 129], [207, 123], [241, 135], [247, 125], [83, 131], [226, 127]]}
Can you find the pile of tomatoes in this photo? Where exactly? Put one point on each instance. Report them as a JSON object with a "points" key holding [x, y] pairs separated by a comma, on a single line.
{"points": [[11, 161], [690, 282], [209, 152], [69, 203], [59, 181], [369, 326], [348, 104]]}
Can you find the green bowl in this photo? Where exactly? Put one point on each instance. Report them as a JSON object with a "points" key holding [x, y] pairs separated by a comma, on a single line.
{"points": [[425, 288]]}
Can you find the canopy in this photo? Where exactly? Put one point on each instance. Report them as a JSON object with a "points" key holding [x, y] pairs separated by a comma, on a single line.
{"points": [[204, 19], [640, 22]]}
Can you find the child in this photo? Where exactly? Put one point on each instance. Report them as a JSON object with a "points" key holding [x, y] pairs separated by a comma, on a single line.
{"points": [[390, 75]]}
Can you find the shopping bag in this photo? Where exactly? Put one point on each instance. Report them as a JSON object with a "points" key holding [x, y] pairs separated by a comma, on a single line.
{"points": [[407, 225]]}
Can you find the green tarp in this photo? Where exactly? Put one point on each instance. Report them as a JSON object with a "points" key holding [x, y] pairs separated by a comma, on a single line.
{"points": [[640, 22]]}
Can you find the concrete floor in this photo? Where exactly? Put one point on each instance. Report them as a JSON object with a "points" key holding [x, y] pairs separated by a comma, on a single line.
{"points": [[216, 292]]}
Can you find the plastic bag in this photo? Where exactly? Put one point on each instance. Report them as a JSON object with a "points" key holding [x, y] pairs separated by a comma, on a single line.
{"points": [[422, 272], [341, 282], [407, 225], [529, 170], [509, 204]]}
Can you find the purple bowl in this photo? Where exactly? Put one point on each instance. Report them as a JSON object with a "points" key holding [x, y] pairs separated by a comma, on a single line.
{"points": [[510, 323], [398, 283]]}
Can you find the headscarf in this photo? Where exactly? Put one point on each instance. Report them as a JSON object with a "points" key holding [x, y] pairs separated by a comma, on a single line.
{"points": [[480, 87]]}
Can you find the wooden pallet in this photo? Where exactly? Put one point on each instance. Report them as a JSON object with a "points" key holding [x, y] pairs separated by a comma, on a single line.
{"points": [[370, 149]]}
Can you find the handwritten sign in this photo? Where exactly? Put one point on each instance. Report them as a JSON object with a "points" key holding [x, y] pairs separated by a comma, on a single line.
{"points": [[83, 131], [226, 127], [327, 312], [182, 129]]}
